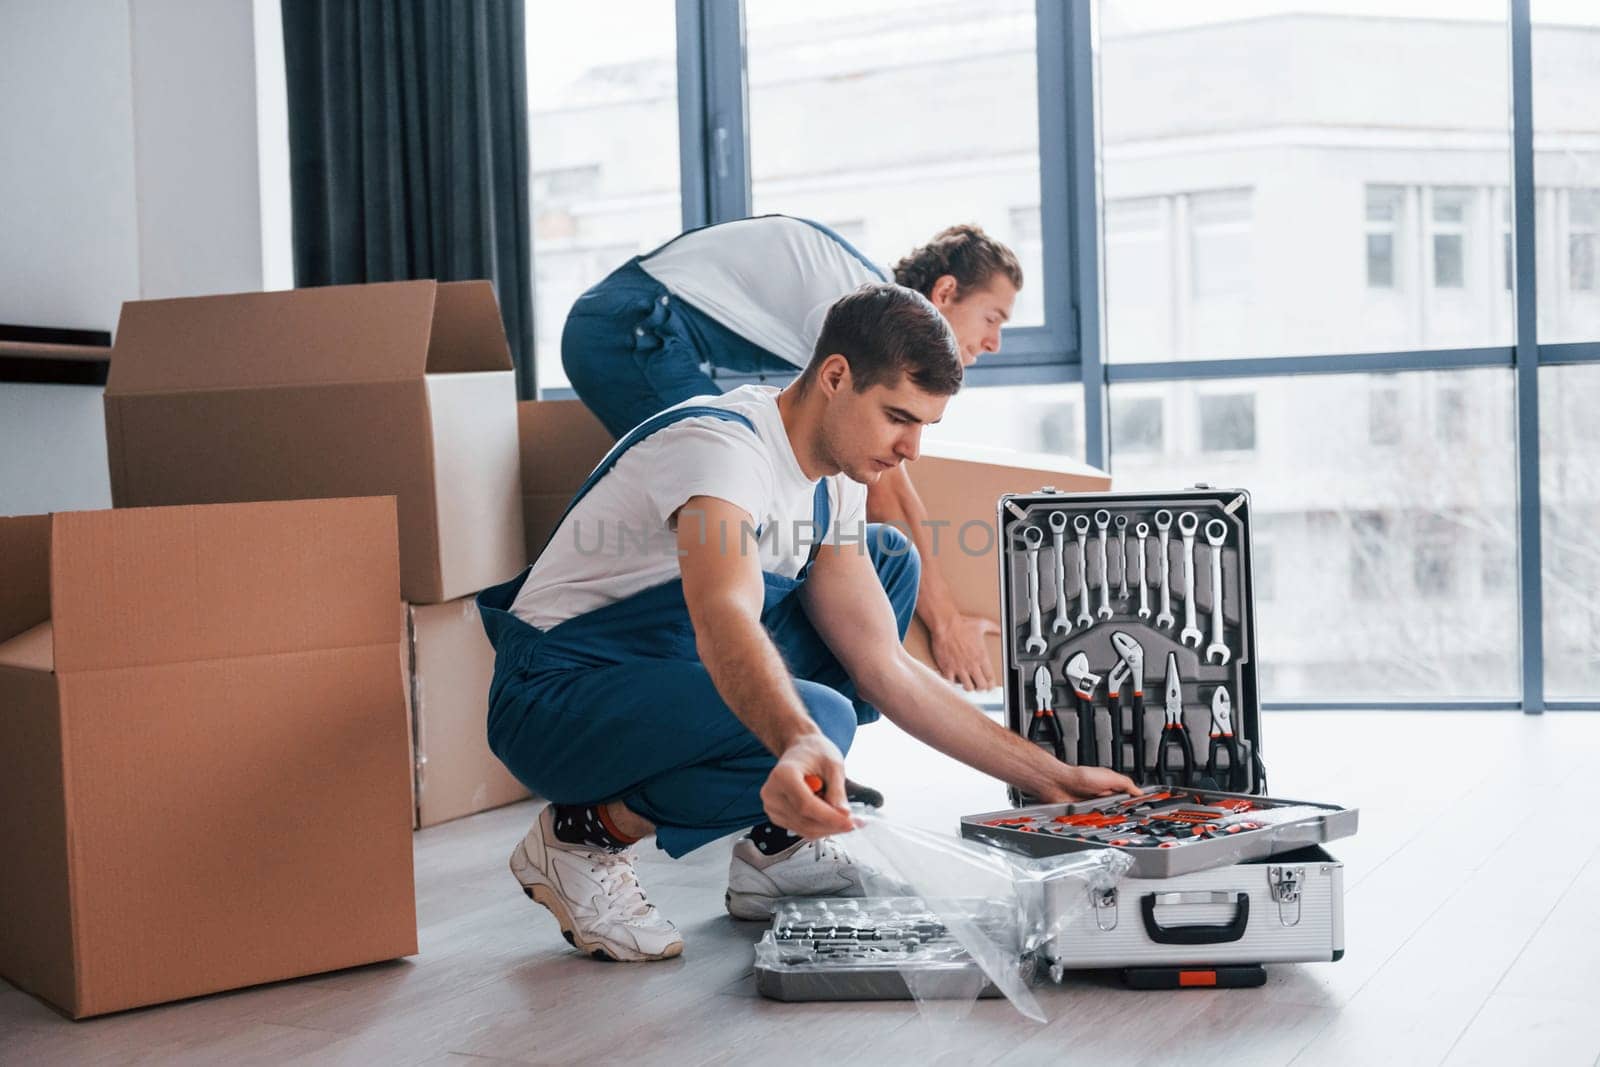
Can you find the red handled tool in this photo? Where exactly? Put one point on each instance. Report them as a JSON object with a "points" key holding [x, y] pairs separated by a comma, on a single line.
{"points": [[1222, 738], [1083, 685], [1044, 727], [1173, 731]]}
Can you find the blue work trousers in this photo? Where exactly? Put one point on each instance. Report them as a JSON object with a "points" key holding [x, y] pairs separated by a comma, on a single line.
{"points": [[624, 710]]}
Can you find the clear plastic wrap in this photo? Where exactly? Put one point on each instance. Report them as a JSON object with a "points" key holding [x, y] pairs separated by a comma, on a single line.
{"points": [[945, 922]]}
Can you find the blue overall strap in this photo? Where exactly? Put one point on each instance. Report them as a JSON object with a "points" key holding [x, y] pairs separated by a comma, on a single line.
{"points": [[821, 515], [659, 421]]}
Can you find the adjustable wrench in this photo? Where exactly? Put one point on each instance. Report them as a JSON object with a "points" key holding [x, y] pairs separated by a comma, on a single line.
{"points": [[1058, 535], [1080, 526], [1083, 686], [1122, 555], [1216, 531], [1142, 531], [1032, 538], [1102, 520], [1188, 525], [1163, 524], [1130, 665]]}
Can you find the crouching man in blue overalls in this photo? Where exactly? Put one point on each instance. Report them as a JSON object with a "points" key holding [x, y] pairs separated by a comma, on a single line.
{"points": [[710, 622]]}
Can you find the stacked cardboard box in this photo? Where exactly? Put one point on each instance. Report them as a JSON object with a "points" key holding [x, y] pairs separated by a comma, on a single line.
{"points": [[202, 749], [402, 388]]}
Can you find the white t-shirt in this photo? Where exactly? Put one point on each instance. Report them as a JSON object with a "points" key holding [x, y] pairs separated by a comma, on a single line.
{"points": [[769, 279], [617, 541]]}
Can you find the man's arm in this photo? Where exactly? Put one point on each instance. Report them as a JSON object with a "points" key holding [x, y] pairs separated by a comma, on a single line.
{"points": [[724, 591], [957, 640], [846, 605]]}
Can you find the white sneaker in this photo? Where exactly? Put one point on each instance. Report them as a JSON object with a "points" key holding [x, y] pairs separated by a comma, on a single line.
{"points": [[819, 868], [594, 895]]}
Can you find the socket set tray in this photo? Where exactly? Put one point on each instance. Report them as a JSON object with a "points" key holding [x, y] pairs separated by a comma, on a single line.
{"points": [[1167, 832], [1129, 635], [872, 948]]}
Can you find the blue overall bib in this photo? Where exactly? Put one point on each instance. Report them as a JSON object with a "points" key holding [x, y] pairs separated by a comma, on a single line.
{"points": [[614, 704], [631, 349]]}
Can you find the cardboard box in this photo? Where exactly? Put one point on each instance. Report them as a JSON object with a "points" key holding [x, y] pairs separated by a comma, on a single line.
{"points": [[961, 484], [402, 389], [203, 752], [452, 664], [561, 443]]}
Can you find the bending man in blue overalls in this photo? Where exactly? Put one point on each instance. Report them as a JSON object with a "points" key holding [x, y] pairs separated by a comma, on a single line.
{"points": [[748, 297], [709, 623]]}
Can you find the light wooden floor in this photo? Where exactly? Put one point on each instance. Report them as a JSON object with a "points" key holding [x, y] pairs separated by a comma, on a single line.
{"points": [[1473, 936]]}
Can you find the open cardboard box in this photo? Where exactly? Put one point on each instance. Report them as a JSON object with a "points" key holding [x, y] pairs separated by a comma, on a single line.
{"points": [[961, 485], [401, 388], [203, 750]]}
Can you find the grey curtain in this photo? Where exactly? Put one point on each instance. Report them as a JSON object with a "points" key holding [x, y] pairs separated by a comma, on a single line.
{"points": [[408, 145]]}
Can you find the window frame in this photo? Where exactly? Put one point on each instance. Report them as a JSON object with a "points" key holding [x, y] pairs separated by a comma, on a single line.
{"points": [[1069, 347]]}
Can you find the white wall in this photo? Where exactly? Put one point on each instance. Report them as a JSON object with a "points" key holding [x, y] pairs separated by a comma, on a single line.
{"points": [[69, 242], [147, 158]]}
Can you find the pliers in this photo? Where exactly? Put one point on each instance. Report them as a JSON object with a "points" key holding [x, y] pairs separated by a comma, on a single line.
{"points": [[1083, 686], [1044, 727], [1130, 665], [1222, 737], [1173, 730]]}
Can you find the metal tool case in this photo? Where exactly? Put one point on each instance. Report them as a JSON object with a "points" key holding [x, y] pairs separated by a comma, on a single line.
{"points": [[1285, 909], [1130, 641], [1077, 569]]}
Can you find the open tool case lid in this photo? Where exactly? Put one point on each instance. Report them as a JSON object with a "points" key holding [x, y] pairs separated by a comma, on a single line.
{"points": [[1064, 634]]}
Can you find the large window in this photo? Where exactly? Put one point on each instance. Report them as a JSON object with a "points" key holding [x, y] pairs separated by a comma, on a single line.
{"points": [[603, 151], [1566, 142], [1278, 180], [907, 115], [1292, 244], [1387, 564]]}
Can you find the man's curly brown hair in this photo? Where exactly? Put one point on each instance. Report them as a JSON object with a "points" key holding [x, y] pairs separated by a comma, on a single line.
{"points": [[964, 252]]}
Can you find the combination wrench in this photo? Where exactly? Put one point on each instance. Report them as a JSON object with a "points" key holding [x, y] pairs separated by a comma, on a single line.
{"points": [[1142, 531], [1188, 526], [1058, 534], [1122, 555], [1032, 538], [1163, 525], [1102, 522], [1080, 525], [1216, 532]]}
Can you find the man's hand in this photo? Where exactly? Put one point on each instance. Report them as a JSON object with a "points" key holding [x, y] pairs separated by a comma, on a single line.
{"points": [[960, 651], [1082, 783], [788, 799]]}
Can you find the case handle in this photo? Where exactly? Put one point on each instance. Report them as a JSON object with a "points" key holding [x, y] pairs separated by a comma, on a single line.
{"points": [[1195, 935]]}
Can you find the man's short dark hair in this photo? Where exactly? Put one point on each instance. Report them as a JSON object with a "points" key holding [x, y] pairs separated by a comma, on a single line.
{"points": [[884, 331]]}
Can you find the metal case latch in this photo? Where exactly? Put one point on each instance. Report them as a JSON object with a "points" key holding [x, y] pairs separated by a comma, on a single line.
{"points": [[1104, 903], [1287, 883]]}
